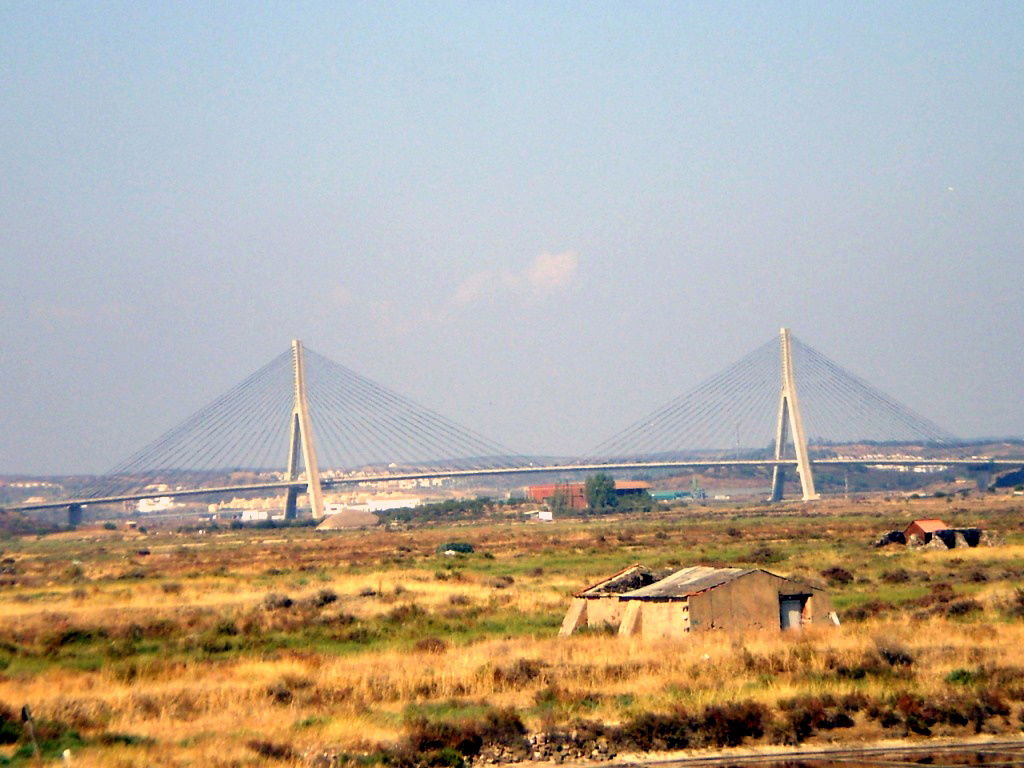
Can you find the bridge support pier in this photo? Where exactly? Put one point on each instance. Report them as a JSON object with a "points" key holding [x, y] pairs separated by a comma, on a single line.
{"points": [[778, 482], [790, 421], [982, 478], [74, 515], [291, 510], [302, 442]]}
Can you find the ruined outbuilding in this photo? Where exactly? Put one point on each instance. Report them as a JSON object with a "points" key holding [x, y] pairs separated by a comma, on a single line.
{"points": [[934, 534], [924, 528], [639, 602]]}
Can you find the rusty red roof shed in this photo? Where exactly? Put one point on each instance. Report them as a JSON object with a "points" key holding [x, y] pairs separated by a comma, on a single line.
{"points": [[925, 527], [930, 524]]}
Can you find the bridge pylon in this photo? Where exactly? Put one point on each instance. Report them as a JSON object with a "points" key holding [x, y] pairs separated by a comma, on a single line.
{"points": [[302, 444], [790, 421]]}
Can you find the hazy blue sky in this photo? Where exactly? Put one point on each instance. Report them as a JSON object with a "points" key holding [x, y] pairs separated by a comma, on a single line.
{"points": [[540, 219]]}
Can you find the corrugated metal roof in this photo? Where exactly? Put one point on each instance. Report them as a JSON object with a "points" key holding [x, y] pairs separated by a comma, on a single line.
{"points": [[688, 581]]}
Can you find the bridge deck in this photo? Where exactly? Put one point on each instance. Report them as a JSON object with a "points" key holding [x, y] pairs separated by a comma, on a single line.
{"points": [[980, 463]]}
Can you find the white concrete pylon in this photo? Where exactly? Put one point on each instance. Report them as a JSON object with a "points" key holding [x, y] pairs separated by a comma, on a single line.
{"points": [[302, 441], [790, 420]]}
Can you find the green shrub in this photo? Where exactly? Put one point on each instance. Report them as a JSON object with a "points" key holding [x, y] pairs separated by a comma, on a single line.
{"points": [[10, 726], [113, 738], [518, 674], [326, 597], [962, 676], [896, 576], [727, 725], [803, 716], [651, 730], [894, 654], [963, 607], [272, 749], [1015, 606], [275, 601], [837, 575], [428, 741], [764, 555], [431, 645]]}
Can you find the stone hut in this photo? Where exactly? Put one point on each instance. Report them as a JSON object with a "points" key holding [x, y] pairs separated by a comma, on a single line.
{"points": [[638, 602], [935, 534], [924, 528]]}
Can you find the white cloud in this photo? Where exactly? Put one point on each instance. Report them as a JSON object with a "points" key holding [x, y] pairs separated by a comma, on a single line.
{"points": [[547, 273], [551, 272]]}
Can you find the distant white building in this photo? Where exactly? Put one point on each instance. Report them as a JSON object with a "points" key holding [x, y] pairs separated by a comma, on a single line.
{"points": [[384, 503], [393, 502], [420, 482], [159, 504]]}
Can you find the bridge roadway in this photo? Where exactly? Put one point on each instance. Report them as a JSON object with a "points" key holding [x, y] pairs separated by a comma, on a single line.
{"points": [[979, 463]]}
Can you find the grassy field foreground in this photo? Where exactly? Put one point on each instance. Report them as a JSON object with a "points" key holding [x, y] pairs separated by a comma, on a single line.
{"points": [[277, 647]]}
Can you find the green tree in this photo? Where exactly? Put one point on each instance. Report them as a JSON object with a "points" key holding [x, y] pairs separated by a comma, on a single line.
{"points": [[559, 502], [636, 502], [600, 490]]}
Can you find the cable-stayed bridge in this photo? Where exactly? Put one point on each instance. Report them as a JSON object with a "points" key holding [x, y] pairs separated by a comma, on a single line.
{"points": [[303, 423]]}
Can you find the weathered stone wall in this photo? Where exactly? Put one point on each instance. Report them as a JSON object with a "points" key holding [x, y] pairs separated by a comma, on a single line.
{"points": [[603, 611], [819, 609], [575, 617], [752, 602], [632, 619], [665, 619]]}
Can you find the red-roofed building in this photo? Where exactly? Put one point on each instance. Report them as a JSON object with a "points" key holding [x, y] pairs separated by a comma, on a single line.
{"points": [[924, 528], [575, 494]]}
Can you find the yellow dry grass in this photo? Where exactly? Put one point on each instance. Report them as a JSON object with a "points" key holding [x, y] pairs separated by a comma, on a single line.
{"points": [[204, 710], [208, 712]]}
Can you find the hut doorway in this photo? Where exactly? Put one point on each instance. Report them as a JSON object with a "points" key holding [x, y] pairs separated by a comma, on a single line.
{"points": [[791, 610]]}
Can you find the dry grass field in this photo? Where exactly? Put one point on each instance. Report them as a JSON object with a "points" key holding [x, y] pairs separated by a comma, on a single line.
{"points": [[292, 647]]}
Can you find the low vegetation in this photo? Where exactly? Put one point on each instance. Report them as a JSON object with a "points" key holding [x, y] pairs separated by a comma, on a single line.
{"points": [[296, 647]]}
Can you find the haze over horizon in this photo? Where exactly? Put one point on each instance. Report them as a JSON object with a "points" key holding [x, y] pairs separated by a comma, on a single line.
{"points": [[541, 220]]}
